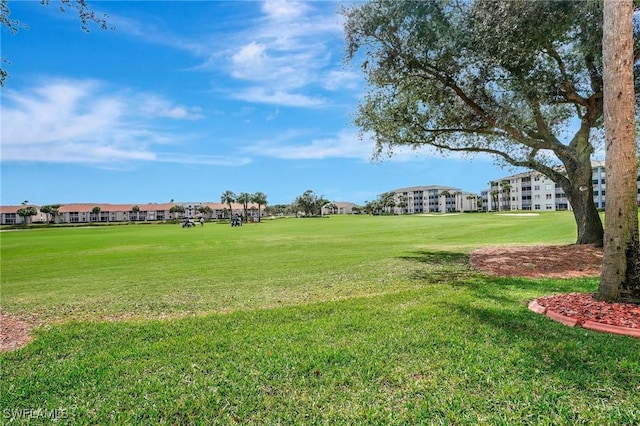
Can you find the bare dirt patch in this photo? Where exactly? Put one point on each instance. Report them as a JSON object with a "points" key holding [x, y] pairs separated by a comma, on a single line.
{"points": [[14, 333], [567, 261]]}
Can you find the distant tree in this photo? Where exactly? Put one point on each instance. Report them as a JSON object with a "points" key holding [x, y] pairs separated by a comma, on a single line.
{"points": [[506, 194], [444, 194], [96, 212], [495, 199], [332, 207], [403, 202], [26, 213], [387, 201], [136, 209], [260, 198], [473, 201], [244, 198], [373, 207], [85, 14], [228, 197], [178, 210], [51, 211], [205, 211], [279, 209], [310, 204]]}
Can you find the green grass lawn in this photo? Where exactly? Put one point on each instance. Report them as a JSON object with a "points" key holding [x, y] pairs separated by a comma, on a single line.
{"points": [[341, 320]]}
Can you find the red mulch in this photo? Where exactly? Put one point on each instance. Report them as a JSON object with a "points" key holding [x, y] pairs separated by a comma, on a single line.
{"points": [[568, 261], [584, 307]]}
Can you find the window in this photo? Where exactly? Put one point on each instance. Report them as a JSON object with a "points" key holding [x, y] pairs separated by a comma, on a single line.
{"points": [[536, 207], [548, 186], [536, 187], [548, 196], [10, 218], [549, 207]]}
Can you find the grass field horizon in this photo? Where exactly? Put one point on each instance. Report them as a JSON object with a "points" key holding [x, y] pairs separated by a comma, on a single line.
{"points": [[141, 270], [340, 320]]}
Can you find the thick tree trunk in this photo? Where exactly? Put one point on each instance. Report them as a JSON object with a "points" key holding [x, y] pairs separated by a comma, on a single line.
{"points": [[619, 279], [579, 190]]}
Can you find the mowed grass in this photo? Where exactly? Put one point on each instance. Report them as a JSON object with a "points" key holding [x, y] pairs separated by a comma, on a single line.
{"points": [[345, 320]]}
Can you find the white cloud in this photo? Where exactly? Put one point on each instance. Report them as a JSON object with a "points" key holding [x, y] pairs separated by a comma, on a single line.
{"points": [[345, 144], [283, 9], [339, 80], [294, 145], [286, 52], [283, 98], [84, 121]]}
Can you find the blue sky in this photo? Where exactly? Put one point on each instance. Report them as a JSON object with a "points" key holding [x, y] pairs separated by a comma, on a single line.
{"points": [[185, 100]]}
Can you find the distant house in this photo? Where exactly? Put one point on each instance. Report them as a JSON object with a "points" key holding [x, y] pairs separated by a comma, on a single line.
{"points": [[337, 207], [103, 212], [100, 212], [9, 215]]}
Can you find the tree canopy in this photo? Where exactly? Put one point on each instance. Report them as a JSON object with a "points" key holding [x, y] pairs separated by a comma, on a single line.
{"points": [[85, 14], [518, 80], [310, 203]]}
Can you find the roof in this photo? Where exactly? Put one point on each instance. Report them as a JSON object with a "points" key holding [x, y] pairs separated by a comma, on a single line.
{"points": [[426, 188], [10, 209], [86, 207]]}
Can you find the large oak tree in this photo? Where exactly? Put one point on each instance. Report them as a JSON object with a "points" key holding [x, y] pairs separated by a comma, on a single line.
{"points": [[519, 80]]}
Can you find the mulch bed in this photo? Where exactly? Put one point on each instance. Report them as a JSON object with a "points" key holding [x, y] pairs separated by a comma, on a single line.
{"points": [[583, 307]]}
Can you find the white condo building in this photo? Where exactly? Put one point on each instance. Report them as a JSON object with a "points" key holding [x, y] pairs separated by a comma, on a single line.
{"points": [[534, 191], [433, 198]]}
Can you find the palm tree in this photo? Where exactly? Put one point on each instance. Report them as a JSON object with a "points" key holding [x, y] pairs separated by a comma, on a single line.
{"points": [[96, 213], [446, 194], [402, 203], [227, 198], [494, 199], [387, 201], [458, 198], [471, 198], [506, 193], [260, 198], [136, 210], [331, 207], [245, 199]]}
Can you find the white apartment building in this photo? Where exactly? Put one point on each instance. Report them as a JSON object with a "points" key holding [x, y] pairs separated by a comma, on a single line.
{"points": [[433, 198], [534, 191], [102, 212]]}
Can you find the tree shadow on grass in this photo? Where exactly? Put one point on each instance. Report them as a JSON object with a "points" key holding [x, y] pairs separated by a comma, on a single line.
{"points": [[497, 310], [440, 267], [436, 267], [555, 352]]}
